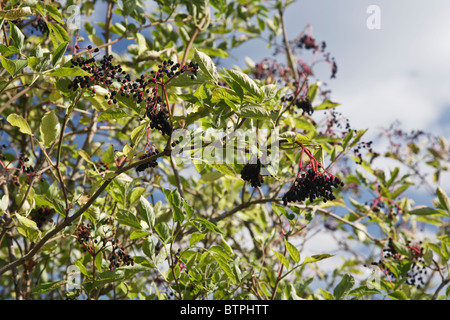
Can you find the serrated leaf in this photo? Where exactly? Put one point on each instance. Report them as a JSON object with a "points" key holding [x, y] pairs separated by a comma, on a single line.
{"points": [[16, 13], [13, 66], [223, 264], [127, 218], [326, 294], [246, 83], [112, 114], [47, 287], [327, 104], [443, 199], [358, 136], [293, 251], [423, 210], [398, 295], [148, 247], [206, 64], [50, 128], [68, 72], [27, 227], [59, 52], [254, 112], [363, 290], [196, 237], [85, 156], [316, 258], [281, 258], [147, 211], [16, 35], [344, 286], [19, 122]]}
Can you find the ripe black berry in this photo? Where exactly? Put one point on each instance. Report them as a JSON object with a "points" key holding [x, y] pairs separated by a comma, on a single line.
{"points": [[251, 173]]}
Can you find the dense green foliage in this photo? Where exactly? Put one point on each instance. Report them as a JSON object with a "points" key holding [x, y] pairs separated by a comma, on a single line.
{"points": [[99, 202]]}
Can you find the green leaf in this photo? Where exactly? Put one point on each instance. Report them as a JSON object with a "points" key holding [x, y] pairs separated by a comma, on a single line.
{"points": [[293, 137], [19, 122], [224, 265], [148, 247], [207, 224], [254, 112], [326, 294], [175, 202], [147, 211], [163, 230], [112, 114], [128, 7], [358, 136], [398, 295], [316, 258], [47, 287], [281, 258], [443, 199], [82, 268], [27, 228], [69, 72], [196, 237], [13, 66], [16, 35], [85, 156], [206, 64], [363, 290], [293, 251], [50, 128], [401, 248], [343, 288], [423, 210], [16, 13], [59, 52], [327, 104], [127, 218], [246, 82]]}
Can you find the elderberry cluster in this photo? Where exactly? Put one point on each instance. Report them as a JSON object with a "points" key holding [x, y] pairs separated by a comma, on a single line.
{"points": [[416, 272], [119, 257], [252, 173], [359, 147], [159, 119], [40, 25], [311, 185], [303, 104], [308, 42], [83, 233], [151, 164], [42, 215]]}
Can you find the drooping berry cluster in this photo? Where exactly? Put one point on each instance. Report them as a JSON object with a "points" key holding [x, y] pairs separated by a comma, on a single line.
{"points": [[42, 215], [415, 264], [97, 245], [159, 117], [119, 257], [150, 164], [311, 185], [252, 173], [312, 181], [40, 25], [302, 103], [360, 146]]}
